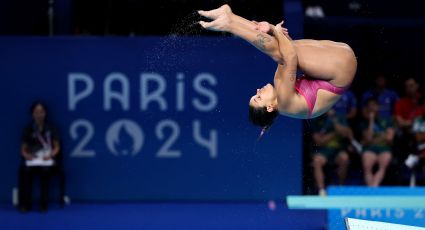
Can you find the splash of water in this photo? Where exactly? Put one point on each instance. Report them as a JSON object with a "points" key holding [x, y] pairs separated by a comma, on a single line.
{"points": [[167, 47], [170, 46]]}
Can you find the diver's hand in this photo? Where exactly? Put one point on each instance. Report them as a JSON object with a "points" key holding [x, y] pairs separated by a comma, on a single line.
{"points": [[221, 18], [268, 28], [264, 27], [278, 28]]}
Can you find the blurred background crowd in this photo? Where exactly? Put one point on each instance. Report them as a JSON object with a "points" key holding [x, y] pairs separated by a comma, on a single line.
{"points": [[372, 138]]}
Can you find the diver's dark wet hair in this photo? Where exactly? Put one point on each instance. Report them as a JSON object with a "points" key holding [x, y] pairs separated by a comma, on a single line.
{"points": [[261, 117]]}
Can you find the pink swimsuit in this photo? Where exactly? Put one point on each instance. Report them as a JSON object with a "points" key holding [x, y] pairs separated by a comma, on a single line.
{"points": [[308, 88]]}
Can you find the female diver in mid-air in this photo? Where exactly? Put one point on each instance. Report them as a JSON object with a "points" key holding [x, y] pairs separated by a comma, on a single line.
{"points": [[329, 68]]}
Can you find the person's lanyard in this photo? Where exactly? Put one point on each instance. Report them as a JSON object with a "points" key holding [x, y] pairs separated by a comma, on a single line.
{"points": [[47, 143]]}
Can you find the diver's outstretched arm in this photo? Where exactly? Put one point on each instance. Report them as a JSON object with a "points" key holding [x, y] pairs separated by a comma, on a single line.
{"points": [[223, 19]]}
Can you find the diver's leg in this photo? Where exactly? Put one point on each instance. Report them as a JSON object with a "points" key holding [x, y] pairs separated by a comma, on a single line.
{"points": [[326, 60], [225, 20]]}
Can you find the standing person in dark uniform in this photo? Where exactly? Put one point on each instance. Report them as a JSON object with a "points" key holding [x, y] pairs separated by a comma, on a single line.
{"points": [[39, 146]]}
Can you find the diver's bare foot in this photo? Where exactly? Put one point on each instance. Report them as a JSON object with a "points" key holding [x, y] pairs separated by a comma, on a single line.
{"points": [[221, 18]]}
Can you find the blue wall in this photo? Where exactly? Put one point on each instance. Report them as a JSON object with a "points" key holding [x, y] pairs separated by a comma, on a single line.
{"points": [[160, 118]]}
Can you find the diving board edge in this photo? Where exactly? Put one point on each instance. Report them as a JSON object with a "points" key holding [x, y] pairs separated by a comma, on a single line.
{"points": [[339, 202]]}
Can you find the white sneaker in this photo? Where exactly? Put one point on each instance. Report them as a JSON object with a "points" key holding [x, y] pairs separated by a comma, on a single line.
{"points": [[411, 161], [322, 192]]}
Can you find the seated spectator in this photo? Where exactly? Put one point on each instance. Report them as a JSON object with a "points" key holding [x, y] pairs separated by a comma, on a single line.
{"points": [[386, 98], [406, 110], [416, 160], [346, 107], [39, 140], [330, 136], [408, 107], [378, 134]]}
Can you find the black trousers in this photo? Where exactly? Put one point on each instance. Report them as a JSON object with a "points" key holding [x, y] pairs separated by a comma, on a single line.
{"points": [[26, 178]]}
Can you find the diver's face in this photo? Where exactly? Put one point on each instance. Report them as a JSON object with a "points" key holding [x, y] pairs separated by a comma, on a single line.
{"points": [[264, 97]]}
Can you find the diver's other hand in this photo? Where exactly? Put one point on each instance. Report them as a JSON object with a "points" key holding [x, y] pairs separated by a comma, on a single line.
{"points": [[221, 18], [263, 26], [268, 28], [278, 28], [285, 31]]}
